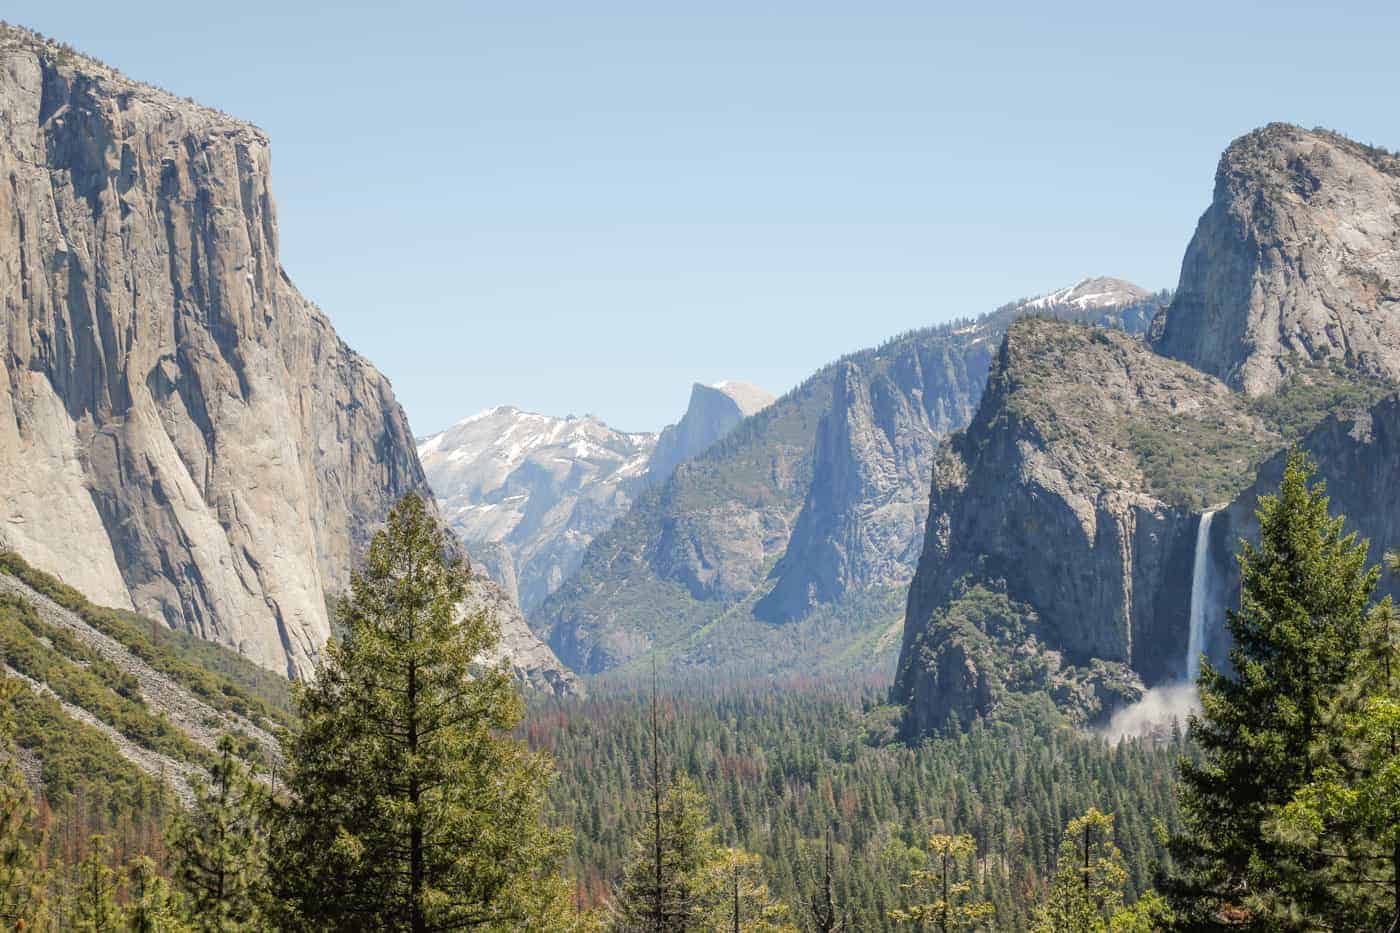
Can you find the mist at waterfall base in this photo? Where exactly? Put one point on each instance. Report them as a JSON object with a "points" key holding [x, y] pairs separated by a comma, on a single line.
{"points": [[1162, 705]]}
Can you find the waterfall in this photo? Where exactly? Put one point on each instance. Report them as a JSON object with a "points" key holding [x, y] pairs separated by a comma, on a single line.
{"points": [[1200, 572]]}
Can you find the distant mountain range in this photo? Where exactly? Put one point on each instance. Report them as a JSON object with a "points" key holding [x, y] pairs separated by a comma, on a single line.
{"points": [[789, 544], [528, 492]]}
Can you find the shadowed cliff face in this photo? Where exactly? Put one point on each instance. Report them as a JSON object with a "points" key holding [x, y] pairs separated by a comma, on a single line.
{"points": [[807, 508], [1050, 497], [1297, 259], [1358, 456], [181, 432]]}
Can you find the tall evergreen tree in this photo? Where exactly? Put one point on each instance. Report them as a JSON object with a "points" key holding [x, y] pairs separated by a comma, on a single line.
{"points": [[946, 885], [664, 889], [826, 915], [152, 906], [220, 848], [410, 806], [92, 896], [735, 897], [1305, 589], [1087, 889], [1349, 814]]}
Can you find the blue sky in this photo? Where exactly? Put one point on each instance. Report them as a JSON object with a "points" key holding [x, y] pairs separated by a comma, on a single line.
{"points": [[584, 207]]}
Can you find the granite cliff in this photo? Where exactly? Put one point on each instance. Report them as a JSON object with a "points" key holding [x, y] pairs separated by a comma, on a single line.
{"points": [[789, 543], [182, 433], [528, 492], [1070, 505], [1296, 261], [1058, 555], [713, 411]]}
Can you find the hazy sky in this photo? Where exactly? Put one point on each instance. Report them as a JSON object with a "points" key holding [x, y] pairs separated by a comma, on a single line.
{"points": [[585, 206]]}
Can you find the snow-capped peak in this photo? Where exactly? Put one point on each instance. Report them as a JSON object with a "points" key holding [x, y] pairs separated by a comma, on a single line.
{"points": [[1088, 293]]}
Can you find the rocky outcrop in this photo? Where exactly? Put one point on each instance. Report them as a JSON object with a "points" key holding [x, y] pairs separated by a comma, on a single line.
{"points": [[530, 659], [802, 512], [527, 492], [1075, 493], [181, 432], [713, 412], [861, 522], [1357, 454], [1296, 260]]}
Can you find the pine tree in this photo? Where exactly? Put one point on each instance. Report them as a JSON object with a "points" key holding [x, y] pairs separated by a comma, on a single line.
{"points": [[826, 916], [220, 850], [92, 898], [948, 881], [1087, 889], [735, 897], [153, 907], [664, 888], [22, 883], [1305, 589], [1151, 914], [1349, 814], [410, 807]]}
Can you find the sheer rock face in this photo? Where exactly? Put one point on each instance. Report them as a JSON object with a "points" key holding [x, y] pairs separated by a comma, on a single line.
{"points": [[181, 432], [1045, 498], [1297, 258], [816, 500], [1358, 455], [713, 412], [864, 511]]}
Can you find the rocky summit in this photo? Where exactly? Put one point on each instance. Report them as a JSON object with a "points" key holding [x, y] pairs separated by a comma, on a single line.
{"points": [[181, 431], [528, 492], [789, 543], [1102, 486], [1061, 524], [1296, 261], [713, 412]]}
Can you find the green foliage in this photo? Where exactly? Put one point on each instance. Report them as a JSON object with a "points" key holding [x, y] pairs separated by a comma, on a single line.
{"points": [[152, 907], [410, 807], [1087, 891], [1151, 914], [680, 879], [92, 898], [735, 896], [999, 637], [1263, 733], [78, 763], [219, 676], [942, 890], [219, 849], [784, 764], [1348, 815], [662, 888], [1315, 391], [55, 657], [1195, 463], [22, 895]]}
